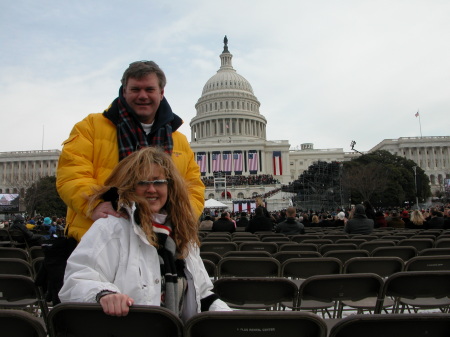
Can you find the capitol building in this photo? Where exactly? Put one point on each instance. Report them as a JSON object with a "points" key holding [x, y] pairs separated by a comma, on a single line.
{"points": [[236, 160]]}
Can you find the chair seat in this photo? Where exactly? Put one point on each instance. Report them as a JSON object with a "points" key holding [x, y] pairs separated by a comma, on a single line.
{"points": [[368, 303], [426, 303], [19, 303]]}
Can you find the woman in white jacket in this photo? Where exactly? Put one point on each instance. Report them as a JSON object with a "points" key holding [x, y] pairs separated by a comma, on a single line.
{"points": [[151, 255]]}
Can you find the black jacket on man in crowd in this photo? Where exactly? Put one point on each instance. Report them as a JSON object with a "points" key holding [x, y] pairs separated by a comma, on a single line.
{"points": [[259, 223], [223, 224]]}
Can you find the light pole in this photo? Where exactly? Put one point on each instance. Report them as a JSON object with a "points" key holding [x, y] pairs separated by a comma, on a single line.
{"points": [[415, 184]]}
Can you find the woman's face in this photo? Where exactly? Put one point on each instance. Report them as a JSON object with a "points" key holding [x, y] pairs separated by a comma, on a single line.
{"points": [[154, 189]]}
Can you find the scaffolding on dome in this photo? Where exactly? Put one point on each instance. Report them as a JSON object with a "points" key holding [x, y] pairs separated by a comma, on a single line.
{"points": [[319, 188]]}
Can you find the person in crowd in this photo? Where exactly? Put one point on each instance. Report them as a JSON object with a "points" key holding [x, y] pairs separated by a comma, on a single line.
{"points": [[291, 225], [314, 221], [259, 222], [31, 238], [281, 217], [139, 117], [436, 221], [358, 222], [50, 227], [206, 224], [149, 257], [260, 204], [370, 212], [395, 220], [224, 224], [243, 220], [405, 217], [380, 220], [417, 220], [340, 220]]}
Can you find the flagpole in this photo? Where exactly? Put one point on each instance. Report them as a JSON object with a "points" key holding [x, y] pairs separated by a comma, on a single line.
{"points": [[420, 124]]}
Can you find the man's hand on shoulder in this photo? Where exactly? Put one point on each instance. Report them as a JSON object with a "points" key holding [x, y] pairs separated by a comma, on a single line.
{"points": [[103, 210]]}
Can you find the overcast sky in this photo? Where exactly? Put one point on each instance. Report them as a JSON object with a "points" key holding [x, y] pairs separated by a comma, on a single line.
{"points": [[325, 72]]}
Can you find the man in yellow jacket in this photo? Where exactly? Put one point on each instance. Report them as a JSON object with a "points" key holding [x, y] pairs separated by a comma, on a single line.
{"points": [[139, 117]]}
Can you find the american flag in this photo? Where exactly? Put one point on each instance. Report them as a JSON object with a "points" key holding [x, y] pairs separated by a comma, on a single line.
{"points": [[237, 158], [253, 161], [277, 166], [201, 161], [216, 162], [227, 161], [417, 114]]}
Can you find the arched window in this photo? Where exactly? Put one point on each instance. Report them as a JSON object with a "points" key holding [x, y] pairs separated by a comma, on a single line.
{"points": [[211, 196], [240, 195]]}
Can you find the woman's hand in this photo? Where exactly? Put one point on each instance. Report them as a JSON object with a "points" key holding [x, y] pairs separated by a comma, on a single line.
{"points": [[116, 304]]}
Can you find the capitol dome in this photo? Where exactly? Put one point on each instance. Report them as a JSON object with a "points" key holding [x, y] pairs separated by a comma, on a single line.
{"points": [[227, 108]]}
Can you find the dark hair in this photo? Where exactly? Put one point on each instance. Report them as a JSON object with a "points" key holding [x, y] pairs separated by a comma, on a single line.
{"points": [[140, 69]]}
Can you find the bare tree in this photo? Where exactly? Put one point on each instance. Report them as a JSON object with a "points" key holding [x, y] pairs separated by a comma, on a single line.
{"points": [[366, 180]]}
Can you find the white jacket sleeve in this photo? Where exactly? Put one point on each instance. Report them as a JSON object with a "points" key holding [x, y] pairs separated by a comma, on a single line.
{"points": [[92, 266]]}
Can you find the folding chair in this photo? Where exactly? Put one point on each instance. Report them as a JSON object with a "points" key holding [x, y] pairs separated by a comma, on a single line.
{"points": [[298, 247], [210, 269], [393, 325], [335, 237], [89, 320], [14, 253], [216, 239], [19, 323], [442, 243], [275, 239], [383, 266], [284, 256], [299, 238], [357, 242], [418, 290], [419, 244], [364, 237], [247, 253], [403, 252], [20, 292], [256, 293], [299, 269], [35, 252], [218, 247], [244, 323], [357, 291], [15, 267], [211, 256], [337, 246], [5, 240], [345, 255], [373, 244], [248, 267], [424, 263], [318, 242], [435, 251], [270, 247]]}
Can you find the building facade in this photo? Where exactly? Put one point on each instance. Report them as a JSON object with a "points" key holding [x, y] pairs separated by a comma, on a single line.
{"points": [[431, 154], [19, 169]]}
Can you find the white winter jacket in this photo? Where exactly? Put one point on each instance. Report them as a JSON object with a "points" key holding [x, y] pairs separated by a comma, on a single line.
{"points": [[115, 255]]}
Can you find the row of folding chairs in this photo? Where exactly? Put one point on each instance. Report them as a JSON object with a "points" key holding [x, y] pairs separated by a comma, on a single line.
{"points": [[64, 320], [401, 292], [301, 268], [216, 250], [20, 253]]}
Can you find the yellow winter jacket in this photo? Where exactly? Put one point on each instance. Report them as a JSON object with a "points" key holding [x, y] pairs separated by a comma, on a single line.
{"points": [[90, 154]]}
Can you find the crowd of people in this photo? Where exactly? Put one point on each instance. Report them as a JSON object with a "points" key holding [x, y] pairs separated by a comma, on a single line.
{"points": [[238, 180], [359, 219]]}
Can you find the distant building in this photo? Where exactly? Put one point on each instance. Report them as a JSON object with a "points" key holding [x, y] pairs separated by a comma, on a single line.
{"points": [[20, 169], [432, 154]]}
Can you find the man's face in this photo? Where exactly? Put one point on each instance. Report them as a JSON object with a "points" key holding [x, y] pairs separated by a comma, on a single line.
{"points": [[144, 96]]}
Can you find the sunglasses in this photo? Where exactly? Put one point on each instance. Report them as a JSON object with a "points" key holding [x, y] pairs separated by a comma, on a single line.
{"points": [[155, 183]]}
